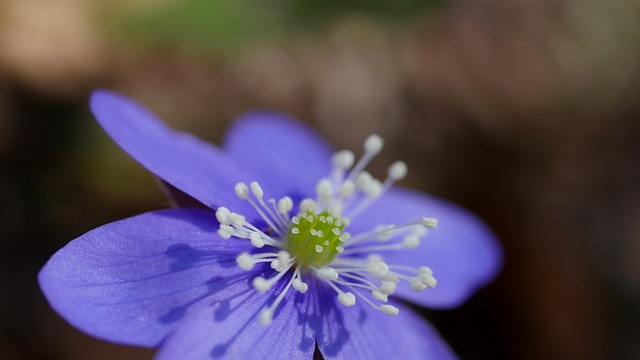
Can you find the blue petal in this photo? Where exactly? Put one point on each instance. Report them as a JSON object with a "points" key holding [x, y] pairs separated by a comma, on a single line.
{"points": [[463, 252], [371, 334], [287, 157], [191, 165], [134, 281], [230, 330]]}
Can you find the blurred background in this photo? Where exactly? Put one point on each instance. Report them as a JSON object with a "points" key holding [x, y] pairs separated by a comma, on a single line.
{"points": [[526, 112]]}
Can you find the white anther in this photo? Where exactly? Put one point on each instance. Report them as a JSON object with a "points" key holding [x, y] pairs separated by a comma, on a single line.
{"points": [[411, 241], [256, 240], [295, 220], [373, 144], [347, 299], [327, 273], [430, 223], [398, 170], [346, 189], [429, 281], [378, 268], [418, 230], [284, 256], [391, 278], [324, 189], [225, 231], [373, 189], [235, 219], [266, 317], [417, 285], [335, 231], [242, 191], [261, 284], [364, 179], [222, 215], [277, 265], [320, 234], [295, 230], [256, 190], [319, 248], [308, 205], [343, 159], [245, 262], [285, 205], [379, 295], [388, 286], [339, 249], [302, 287], [389, 309], [425, 271]]}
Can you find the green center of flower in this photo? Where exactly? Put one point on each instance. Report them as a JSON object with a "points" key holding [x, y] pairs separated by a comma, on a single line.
{"points": [[315, 239]]}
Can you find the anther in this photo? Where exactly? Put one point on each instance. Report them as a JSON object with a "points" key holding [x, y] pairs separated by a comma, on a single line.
{"points": [[373, 144], [222, 215], [343, 159], [256, 190], [411, 241], [285, 205], [397, 171], [347, 299], [242, 191], [430, 223], [301, 286], [389, 310], [244, 261], [261, 284], [256, 240]]}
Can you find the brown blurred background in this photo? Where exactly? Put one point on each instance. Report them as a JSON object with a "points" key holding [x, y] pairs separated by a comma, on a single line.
{"points": [[526, 112]]}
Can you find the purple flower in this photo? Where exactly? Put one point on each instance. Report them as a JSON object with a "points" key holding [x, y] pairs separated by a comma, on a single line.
{"points": [[321, 264]]}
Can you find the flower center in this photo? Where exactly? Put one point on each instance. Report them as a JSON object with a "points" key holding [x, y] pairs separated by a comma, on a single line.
{"points": [[315, 239], [314, 243]]}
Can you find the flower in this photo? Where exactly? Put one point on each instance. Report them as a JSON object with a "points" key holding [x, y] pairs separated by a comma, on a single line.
{"points": [[320, 265]]}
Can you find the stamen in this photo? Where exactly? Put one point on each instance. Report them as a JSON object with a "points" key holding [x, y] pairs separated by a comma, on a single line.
{"points": [[372, 146], [426, 222], [266, 315]]}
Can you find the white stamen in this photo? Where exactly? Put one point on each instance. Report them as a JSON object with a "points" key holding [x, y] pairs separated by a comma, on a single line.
{"points": [[302, 287], [285, 205], [417, 285], [256, 190], [242, 191], [308, 205], [343, 159], [222, 215], [398, 170], [244, 261], [256, 240], [373, 144], [266, 316], [319, 248], [346, 189], [388, 287], [430, 223], [324, 190], [411, 241], [261, 284], [389, 310], [327, 273], [379, 295], [347, 299]]}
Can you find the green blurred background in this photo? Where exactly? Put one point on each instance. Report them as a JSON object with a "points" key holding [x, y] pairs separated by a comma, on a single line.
{"points": [[526, 112]]}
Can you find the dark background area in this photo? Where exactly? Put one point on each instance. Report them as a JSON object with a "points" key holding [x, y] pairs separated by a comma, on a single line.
{"points": [[526, 112]]}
